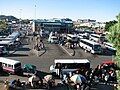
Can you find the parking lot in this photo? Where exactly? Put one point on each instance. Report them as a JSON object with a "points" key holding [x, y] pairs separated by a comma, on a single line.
{"points": [[44, 58], [52, 52]]}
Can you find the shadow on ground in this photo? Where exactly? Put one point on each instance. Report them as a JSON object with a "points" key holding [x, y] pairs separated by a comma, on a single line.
{"points": [[16, 55], [24, 49]]}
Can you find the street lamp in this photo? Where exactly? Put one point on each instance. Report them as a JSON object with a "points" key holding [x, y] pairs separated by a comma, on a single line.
{"points": [[20, 19]]}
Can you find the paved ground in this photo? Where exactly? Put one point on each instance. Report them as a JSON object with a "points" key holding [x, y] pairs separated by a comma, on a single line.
{"points": [[52, 52]]}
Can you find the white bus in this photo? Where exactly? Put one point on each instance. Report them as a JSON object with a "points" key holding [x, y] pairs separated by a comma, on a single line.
{"points": [[97, 38], [14, 36], [7, 44], [110, 47], [63, 66], [10, 65], [90, 46], [72, 37]]}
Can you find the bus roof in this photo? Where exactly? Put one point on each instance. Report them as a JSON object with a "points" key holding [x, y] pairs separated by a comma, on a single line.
{"points": [[1, 46], [92, 42], [53, 37], [97, 35], [72, 61], [5, 42], [71, 35], [109, 44], [15, 34], [8, 61]]}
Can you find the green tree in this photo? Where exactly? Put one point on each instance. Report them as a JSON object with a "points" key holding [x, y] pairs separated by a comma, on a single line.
{"points": [[109, 24], [3, 25], [114, 37]]}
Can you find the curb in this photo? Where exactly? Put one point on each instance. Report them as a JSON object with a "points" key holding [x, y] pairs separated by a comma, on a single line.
{"points": [[72, 53]]}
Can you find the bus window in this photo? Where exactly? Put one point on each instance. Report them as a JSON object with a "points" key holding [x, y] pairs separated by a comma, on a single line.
{"points": [[0, 64], [58, 65], [17, 65], [71, 65], [14, 65], [10, 66], [97, 47], [5, 65]]}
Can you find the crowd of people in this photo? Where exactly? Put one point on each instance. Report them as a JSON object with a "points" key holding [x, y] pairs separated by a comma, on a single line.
{"points": [[104, 73]]}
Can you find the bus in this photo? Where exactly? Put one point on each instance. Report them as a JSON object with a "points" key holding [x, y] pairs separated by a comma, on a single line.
{"points": [[14, 36], [97, 38], [11, 66], [64, 66], [91, 46], [7, 44], [110, 47]]}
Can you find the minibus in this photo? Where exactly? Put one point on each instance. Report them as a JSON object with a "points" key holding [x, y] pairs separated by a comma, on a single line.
{"points": [[63, 66], [11, 66]]}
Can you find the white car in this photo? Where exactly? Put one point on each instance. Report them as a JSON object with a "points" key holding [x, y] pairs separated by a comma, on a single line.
{"points": [[53, 39]]}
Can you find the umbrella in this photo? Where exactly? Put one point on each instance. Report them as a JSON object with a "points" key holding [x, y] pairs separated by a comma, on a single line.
{"points": [[76, 78], [48, 77], [108, 62], [33, 78], [83, 79]]}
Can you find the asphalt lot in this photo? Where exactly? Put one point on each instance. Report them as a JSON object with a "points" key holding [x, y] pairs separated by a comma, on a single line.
{"points": [[53, 51]]}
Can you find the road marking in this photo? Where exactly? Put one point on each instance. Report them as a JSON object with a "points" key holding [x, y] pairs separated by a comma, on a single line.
{"points": [[66, 50]]}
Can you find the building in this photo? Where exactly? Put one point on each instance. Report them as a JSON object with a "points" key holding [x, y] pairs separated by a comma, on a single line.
{"points": [[53, 25], [89, 23], [85, 20]]}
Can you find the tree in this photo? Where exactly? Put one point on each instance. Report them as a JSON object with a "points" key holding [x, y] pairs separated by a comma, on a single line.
{"points": [[3, 25], [109, 24], [114, 37]]}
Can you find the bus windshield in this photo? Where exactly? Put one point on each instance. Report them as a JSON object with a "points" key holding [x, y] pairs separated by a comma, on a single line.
{"points": [[17, 65], [97, 47]]}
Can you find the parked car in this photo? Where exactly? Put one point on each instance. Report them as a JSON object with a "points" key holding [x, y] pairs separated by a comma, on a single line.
{"points": [[3, 50], [53, 39]]}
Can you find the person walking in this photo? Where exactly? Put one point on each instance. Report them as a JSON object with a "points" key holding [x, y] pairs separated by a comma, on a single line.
{"points": [[6, 84]]}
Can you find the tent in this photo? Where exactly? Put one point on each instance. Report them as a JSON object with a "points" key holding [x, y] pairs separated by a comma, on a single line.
{"points": [[29, 68]]}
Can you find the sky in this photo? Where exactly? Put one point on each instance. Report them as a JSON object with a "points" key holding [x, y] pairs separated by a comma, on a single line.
{"points": [[100, 10]]}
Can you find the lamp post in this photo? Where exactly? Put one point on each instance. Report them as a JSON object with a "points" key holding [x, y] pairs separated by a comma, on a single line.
{"points": [[20, 19]]}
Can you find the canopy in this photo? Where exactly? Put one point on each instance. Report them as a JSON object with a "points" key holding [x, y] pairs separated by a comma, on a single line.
{"points": [[48, 77], [108, 62], [29, 68], [33, 78], [78, 78]]}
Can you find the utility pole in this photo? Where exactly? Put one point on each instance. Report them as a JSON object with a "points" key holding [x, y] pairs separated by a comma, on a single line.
{"points": [[36, 32], [20, 20]]}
